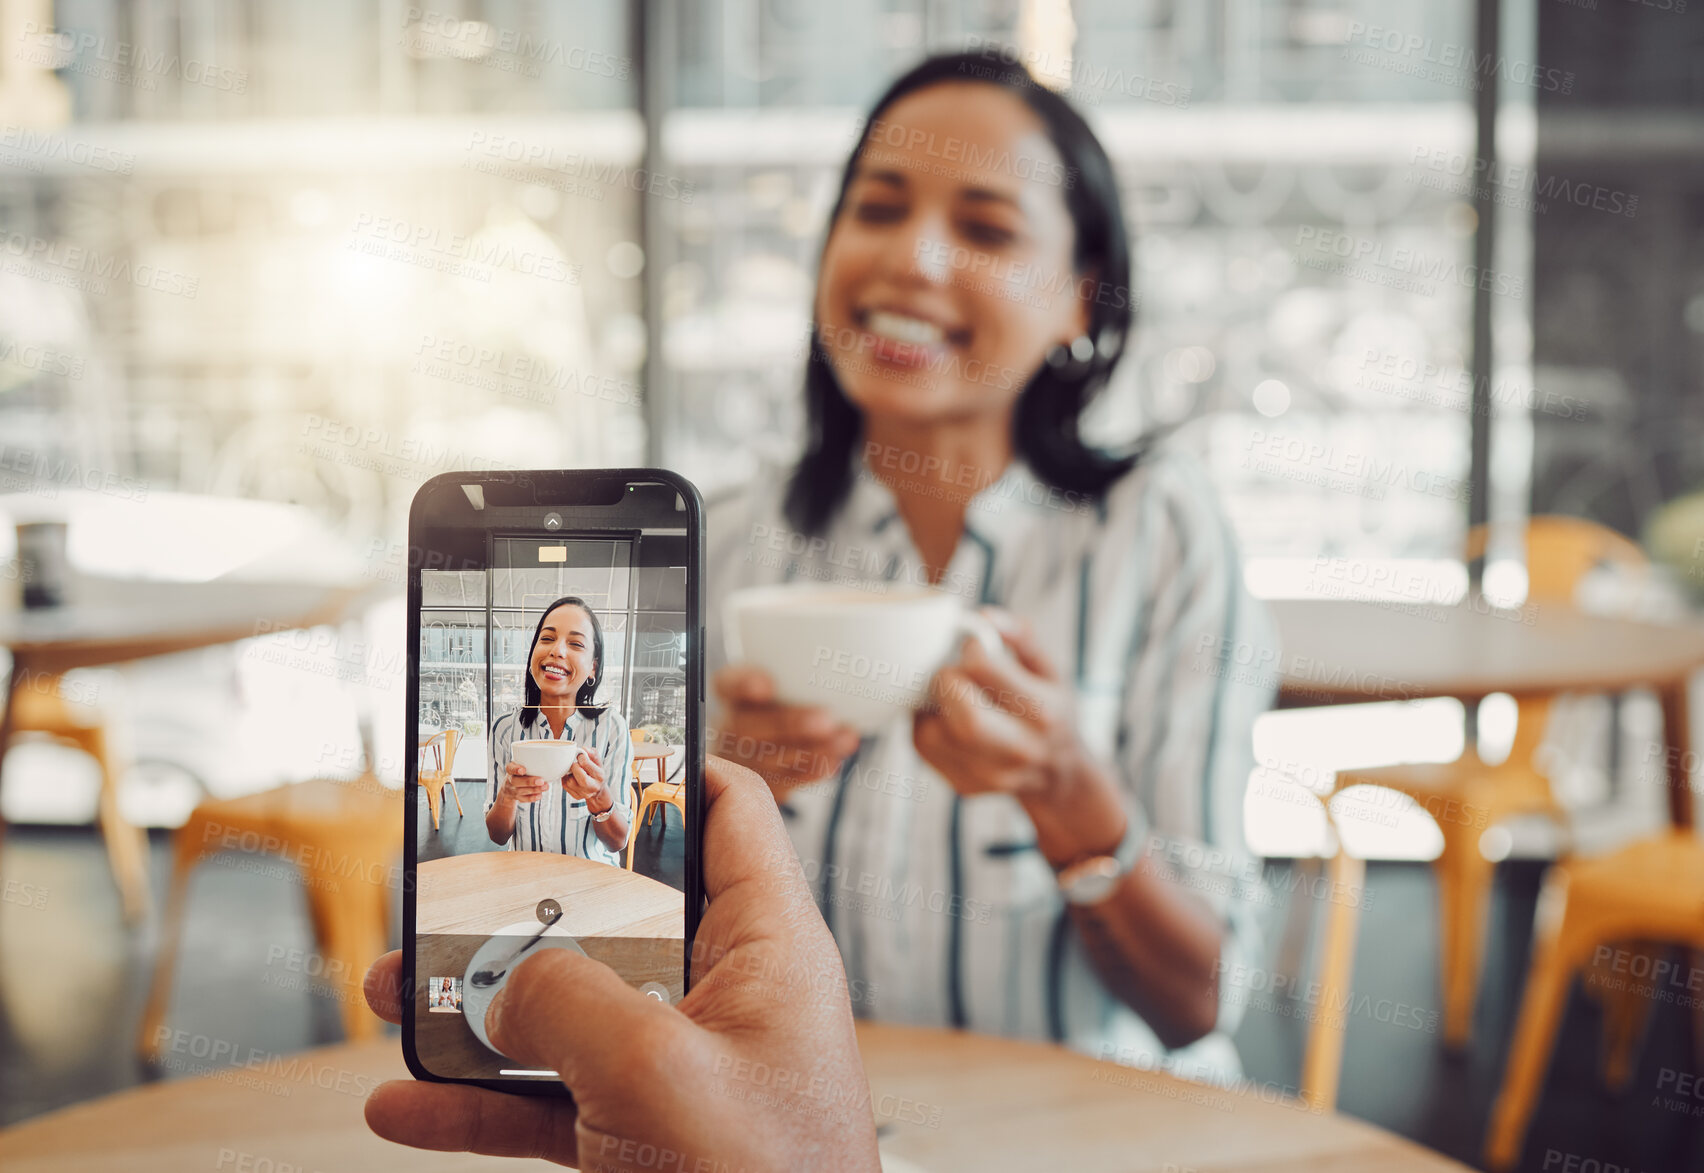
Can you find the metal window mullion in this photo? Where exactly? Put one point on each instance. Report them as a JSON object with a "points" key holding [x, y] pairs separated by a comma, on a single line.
{"points": [[632, 624], [490, 631]]}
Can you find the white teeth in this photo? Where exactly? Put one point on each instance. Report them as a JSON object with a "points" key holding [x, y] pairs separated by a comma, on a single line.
{"points": [[901, 328]]}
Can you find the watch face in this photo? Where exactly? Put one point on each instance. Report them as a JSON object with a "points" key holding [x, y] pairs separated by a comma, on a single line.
{"points": [[1093, 888], [1094, 882]]}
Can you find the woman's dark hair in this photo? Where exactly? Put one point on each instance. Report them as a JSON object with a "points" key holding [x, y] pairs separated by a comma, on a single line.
{"points": [[530, 710], [1046, 421]]}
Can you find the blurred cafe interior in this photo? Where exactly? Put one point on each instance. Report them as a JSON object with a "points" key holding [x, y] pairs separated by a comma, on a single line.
{"points": [[1419, 287]]}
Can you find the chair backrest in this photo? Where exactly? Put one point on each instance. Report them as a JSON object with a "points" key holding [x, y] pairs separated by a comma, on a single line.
{"points": [[1560, 551], [442, 746]]}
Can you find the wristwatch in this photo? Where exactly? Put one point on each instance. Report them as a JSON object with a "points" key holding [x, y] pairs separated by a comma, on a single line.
{"points": [[607, 813], [1090, 881]]}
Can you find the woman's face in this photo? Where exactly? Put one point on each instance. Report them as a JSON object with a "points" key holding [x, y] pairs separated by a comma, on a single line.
{"points": [[562, 659], [948, 275]]}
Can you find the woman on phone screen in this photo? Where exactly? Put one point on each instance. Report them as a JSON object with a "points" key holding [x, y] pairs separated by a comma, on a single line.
{"points": [[582, 813], [1054, 849]]}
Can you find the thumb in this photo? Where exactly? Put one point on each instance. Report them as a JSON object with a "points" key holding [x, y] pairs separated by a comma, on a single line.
{"points": [[563, 1011], [1019, 638]]}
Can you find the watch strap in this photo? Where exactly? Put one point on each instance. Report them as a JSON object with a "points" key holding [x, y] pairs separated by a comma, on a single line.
{"points": [[1108, 868]]}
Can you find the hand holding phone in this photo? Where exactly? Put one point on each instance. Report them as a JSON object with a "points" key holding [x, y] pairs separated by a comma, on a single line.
{"points": [[769, 995], [553, 615]]}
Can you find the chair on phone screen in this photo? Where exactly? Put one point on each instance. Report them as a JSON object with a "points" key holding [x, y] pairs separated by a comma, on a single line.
{"points": [[345, 837], [636, 788], [656, 794], [437, 762]]}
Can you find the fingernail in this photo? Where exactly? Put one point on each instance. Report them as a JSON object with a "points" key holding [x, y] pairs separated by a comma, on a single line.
{"points": [[818, 724]]}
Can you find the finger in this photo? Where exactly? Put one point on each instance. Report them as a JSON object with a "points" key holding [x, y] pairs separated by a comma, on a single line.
{"points": [[1010, 687], [935, 746], [515, 769], [977, 729], [744, 684], [781, 732], [591, 769], [796, 724], [760, 907], [1018, 634], [967, 772], [747, 853], [577, 1017], [811, 722], [455, 1119], [383, 987]]}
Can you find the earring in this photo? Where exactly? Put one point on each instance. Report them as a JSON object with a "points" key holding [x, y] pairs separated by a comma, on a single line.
{"points": [[1081, 350]]}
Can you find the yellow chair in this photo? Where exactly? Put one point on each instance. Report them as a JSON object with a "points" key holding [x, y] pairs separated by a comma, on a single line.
{"points": [[1651, 890], [440, 750], [39, 705], [1322, 1056], [637, 738], [344, 836], [1467, 796], [653, 796], [1322, 1053]]}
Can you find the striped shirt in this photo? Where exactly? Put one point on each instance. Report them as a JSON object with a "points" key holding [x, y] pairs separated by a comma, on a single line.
{"points": [[556, 822], [945, 912]]}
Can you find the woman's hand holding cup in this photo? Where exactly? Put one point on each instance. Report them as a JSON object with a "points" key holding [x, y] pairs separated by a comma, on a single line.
{"points": [[520, 786], [788, 745], [586, 777]]}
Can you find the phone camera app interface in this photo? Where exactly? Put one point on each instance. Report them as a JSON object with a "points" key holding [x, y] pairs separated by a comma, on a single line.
{"points": [[552, 759]]}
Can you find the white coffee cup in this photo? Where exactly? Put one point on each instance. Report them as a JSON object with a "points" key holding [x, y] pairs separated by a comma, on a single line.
{"points": [[866, 656], [543, 757]]}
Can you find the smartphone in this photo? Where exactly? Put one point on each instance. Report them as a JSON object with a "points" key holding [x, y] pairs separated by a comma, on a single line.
{"points": [[555, 695]]}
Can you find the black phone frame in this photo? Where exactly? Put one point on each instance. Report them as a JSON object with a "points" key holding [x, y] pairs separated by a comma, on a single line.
{"points": [[578, 493]]}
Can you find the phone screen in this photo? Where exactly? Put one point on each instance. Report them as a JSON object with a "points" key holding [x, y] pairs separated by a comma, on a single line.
{"points": [[555, 628]]}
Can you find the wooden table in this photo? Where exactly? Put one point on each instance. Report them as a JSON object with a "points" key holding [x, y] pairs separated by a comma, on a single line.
{"points": [[631, 922], [651, 752], [945, 1101], [483, 892], [114, 620], [111, 621], [1345, 652]]}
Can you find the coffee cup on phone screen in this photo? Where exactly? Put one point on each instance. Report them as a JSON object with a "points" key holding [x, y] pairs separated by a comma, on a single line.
{"points": [[865, 656], [544, 757]]}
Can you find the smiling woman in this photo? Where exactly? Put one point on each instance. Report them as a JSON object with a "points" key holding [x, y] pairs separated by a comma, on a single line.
{"points": [[1067, 861], [581, 812]]}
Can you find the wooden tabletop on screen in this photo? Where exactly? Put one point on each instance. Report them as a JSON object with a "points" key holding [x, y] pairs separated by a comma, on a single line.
{"points": [[1339, 651], [482, 893], [943, 1100]]}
